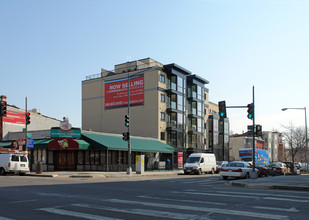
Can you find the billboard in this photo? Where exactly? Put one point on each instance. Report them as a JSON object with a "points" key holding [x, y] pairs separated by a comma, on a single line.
{"points": [[14, 118], [116, 92]]}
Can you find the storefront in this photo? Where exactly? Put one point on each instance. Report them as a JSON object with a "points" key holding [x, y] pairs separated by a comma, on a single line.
{"points": [[95, 152]]}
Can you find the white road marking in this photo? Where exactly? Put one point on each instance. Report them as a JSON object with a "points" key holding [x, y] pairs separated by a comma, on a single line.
{"points": [[202, 209], [4, 218], [181, 200], [284, 199], [76, 214], [292, 209], [263, 194], [146, 212], [30, 200], [215, 194]]}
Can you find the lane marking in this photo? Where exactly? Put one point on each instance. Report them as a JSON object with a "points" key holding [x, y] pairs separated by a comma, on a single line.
{"points": [[76, 214], [214, 194], [263, 194], [292, 209], [182, 200], [283, 199], [202, 209], [146, 212], [30, 200], [5, 218]]}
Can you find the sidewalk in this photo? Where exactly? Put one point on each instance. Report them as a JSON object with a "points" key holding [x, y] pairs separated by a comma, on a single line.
{"points": [[93, 174], [287, 182]]}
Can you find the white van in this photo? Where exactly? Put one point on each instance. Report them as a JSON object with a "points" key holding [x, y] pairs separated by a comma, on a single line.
{"points": [[200, 163], [14, 163]]}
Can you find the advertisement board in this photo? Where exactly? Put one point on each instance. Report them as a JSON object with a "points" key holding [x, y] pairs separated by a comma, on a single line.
{"points": [[116, 92], [180, 160], [14, 118]]}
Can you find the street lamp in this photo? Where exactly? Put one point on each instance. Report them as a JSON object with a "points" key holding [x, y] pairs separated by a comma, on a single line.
{"points": [[306, 130]]}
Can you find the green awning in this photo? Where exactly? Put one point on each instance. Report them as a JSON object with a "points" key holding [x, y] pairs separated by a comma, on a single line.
{"points": [[41, 144], [115, 142], [83, 144], [5, 144]]}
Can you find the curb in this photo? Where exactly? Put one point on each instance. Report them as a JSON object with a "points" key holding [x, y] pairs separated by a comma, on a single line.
{"points": [[261, 186]]}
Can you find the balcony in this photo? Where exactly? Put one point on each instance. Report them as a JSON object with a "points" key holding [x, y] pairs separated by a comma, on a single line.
{"points": [[171, 88], [192, 113], [174, 126]]}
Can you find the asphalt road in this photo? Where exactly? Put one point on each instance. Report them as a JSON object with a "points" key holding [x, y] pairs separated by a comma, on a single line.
{"points": [[160, 197]]}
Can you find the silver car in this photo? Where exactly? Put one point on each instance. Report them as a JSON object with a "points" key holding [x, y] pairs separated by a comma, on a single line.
{"points": [[236, 169]]}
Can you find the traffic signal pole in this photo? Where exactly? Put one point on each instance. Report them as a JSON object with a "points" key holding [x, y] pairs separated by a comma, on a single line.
{"points": [[129, 171], [26, 128], [254, 175]]}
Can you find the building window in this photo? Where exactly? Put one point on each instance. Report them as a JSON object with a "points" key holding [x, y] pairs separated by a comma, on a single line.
{"points": [[162, 116], [162, 78], [163, 136], [162, 98]]}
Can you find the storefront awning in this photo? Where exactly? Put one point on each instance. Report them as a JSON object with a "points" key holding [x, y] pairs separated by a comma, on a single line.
{"points": [[115, 142]]}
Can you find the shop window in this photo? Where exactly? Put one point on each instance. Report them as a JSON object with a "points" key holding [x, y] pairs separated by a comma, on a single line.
{"points": [[80, 158], [43, 159], [50, 159], [87, 157], [103, 157]]}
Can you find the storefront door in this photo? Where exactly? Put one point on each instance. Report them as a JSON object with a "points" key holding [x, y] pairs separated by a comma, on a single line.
{"points": [[66, 160]]}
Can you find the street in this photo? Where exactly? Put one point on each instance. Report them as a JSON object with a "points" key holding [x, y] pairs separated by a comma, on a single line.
{"points": [[160, 197]]}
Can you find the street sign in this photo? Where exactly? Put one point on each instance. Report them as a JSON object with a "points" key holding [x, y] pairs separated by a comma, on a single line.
{"points": [[59, 133], [30, 143]]}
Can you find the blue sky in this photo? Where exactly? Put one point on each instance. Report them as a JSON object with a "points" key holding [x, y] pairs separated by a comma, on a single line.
{"points": [[49, 47]]}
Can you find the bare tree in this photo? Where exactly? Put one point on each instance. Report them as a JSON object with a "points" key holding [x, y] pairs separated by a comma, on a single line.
{"points": [[295, 140]]}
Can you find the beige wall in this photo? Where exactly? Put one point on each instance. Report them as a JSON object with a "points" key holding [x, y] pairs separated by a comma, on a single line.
{"points": [[144, 119]]}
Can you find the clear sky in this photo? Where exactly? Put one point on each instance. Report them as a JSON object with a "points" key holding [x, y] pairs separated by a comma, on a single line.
{"points": [[48, 47]]}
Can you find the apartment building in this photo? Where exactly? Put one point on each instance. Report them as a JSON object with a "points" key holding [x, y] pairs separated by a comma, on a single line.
{"points": [[167, 102]]}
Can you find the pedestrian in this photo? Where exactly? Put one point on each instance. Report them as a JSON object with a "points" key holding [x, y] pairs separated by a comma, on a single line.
{"points": [[168, 162]]}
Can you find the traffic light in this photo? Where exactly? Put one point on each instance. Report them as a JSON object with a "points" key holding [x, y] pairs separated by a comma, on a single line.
{"points": [[28, 118], [258, 130], [222, 109], [126, 120], [126, 136], [250, 111], [3, 108]]}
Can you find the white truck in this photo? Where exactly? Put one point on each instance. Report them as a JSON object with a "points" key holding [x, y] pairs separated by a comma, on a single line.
{"points": [[14, 163], [200, 163]]}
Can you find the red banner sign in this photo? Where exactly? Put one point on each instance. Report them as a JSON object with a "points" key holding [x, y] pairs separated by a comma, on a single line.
{"points": [[14, 118], [65, 143], [116, 92], [180, 160]]}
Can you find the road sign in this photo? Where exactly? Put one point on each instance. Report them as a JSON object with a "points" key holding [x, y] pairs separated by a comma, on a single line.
{"points": [[30, 143]]}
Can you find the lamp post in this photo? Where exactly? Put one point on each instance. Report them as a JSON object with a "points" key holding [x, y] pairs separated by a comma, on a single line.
{"points": [[306, 130]]}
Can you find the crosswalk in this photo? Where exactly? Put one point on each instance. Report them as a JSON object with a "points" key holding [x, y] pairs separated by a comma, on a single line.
{"points": [[189, 203], [110, 209]]}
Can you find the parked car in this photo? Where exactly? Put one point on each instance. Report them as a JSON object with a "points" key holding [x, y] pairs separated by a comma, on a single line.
{"points": [[263, 169], [220, 164], [280, 168], [297, 165], [200, 163], [238, 169], [13, 163], [292, 169]]}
